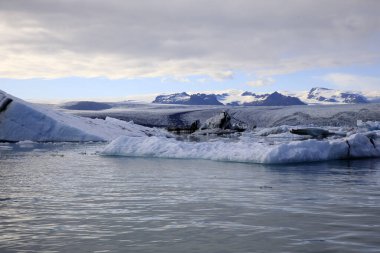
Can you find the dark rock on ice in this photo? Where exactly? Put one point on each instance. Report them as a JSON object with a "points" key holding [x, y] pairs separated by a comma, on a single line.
{"points": [[318, 133], [220, 121]]}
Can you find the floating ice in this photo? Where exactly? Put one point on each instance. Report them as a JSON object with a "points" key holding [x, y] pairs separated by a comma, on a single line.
{"points": [[246, 150], [369, 125], [274, 130]]}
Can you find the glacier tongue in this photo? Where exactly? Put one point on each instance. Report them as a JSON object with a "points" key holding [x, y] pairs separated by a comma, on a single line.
{"points": [[21, 121], [246, 150]]}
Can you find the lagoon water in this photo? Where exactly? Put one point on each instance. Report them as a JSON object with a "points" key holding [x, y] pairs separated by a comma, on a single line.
{"points": [[68, 198]]}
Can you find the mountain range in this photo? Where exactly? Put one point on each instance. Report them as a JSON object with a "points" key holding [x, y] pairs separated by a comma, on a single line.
{"points": [[318, 95]]}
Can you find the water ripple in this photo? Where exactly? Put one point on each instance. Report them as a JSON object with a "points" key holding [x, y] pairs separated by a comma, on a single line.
{"points": [[77, 201]]}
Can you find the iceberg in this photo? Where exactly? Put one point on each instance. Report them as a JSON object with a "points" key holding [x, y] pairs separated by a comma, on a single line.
{"points": [[273, 130], [250, 150], [368, 126], [20, 121]]}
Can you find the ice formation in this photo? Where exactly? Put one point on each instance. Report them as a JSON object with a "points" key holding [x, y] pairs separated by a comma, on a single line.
{"points": [[369, 125], [220, 121], [274, 130], [247, 149], [21, 121]]}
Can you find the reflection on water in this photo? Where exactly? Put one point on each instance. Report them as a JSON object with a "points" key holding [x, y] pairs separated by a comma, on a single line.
{"points": [[66, 198]]}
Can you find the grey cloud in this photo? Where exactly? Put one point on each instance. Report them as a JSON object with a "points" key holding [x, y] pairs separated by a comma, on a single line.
{"points": [[196, 36]]}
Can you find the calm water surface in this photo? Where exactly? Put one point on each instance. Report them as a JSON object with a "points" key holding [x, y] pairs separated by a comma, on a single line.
{"points": [[67, 198]]}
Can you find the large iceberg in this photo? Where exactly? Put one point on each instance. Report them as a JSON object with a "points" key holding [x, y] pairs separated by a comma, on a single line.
{"points": [[21, 121], [247, 149]]}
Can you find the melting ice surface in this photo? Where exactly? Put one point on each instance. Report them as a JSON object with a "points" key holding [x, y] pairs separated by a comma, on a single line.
{"points": [[248, 149], [66, 198]]}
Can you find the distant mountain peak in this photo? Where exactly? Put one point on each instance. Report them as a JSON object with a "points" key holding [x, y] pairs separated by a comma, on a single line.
{"points": [[320, 94], [318, 88], [316, 95], [248, 93], [186, 99], [246, 98], [277, 99]]}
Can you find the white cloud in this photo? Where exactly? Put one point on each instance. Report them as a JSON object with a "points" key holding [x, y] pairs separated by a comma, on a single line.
{"points": [[355, 82], [222, 75], [179, 79], [180, 38], [262, 82]]}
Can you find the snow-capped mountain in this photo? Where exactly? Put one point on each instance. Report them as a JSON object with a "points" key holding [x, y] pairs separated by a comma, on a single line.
{"points": [[186, 99], [324, 95], [233, 98], [316, 95], [274, 99]]}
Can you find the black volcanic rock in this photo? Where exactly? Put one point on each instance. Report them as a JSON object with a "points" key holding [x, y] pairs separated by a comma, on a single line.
{"points": [[86, 106]]}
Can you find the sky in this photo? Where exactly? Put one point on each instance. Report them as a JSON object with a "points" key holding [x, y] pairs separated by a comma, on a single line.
{"points": [[71, 49]]}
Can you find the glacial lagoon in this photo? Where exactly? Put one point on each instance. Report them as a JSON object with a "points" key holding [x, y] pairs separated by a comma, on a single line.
{"points": [[68, 198]]}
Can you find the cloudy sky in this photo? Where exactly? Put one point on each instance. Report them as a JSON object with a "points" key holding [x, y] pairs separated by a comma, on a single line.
{"points": [[115, 48]]}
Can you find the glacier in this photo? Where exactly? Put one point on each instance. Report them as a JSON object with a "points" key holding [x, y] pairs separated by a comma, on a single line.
{"points": [[20, 121]]}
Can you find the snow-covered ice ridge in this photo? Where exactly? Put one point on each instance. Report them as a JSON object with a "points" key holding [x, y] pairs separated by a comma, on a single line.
{"points": [[21, 121], [181, 115], [251, 148]]}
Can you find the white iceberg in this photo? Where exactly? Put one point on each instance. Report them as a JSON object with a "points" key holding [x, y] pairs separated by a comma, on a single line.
{"points": [[247, 149], [21, 121], [368, 125]]}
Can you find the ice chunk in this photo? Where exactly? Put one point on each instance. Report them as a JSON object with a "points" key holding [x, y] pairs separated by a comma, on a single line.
{"points": [[369, 125], [273, 130], [245, 150], [361, 146]]}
